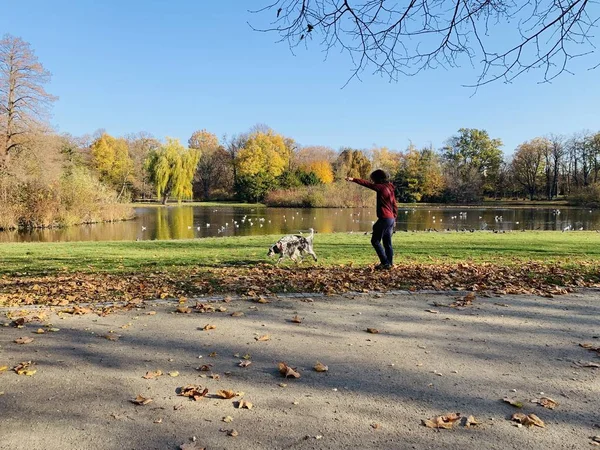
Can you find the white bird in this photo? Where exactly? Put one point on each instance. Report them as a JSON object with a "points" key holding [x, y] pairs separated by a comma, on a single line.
{"points": [[144, 228], [189, 227], [208, 225], [198, 228]]}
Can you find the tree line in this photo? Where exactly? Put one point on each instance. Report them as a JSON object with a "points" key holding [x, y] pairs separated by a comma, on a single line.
{"points": [[48, 178]]}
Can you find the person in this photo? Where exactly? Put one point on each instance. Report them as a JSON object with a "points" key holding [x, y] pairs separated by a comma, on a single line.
{"points": [[387, 212]]}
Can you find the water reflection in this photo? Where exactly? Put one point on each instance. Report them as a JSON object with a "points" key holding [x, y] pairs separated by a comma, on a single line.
{"points": [[188, 222]]}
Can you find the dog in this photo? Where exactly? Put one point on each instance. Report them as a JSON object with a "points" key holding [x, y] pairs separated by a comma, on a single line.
{"points": [[293, 246]]}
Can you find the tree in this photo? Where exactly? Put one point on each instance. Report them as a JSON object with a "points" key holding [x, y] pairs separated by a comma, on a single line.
{"points": [[528, 164], [140, 146], [473, 153], [263, 153], [24, 103], [553, 161], [419, 175], [171, 169], [110, 159], [213, 167], [387, 160], [393, 38], [305, 156], [352, 163], [322, 170]]}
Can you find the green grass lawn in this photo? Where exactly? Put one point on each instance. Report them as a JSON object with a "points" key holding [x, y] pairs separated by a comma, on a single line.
{"points": [[564, 249]]}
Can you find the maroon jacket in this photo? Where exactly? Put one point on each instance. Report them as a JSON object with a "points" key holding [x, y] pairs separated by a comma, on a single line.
{"points": [[386, 199]]}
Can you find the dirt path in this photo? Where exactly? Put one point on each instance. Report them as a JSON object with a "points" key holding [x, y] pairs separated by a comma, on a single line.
{"points": [[377, 390]]}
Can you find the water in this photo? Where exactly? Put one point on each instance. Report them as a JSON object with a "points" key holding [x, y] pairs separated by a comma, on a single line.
{"points": [[188, 222]]}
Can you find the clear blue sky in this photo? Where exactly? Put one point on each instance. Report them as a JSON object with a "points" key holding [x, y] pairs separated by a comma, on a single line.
{"points": [[170, 68]]}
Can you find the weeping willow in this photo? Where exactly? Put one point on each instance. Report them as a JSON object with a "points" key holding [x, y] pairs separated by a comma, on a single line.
{"points": [[171, 169]]}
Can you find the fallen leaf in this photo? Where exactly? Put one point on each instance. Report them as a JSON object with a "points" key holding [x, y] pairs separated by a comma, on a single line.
{"points": [[227, 419], [225, 394], [375, 426], [215, 376], [264, 337], [296, 319], [232, 433], [589, 364], [205, 368], [40, 331], [112, 337], [287, 371], [141, 400], [237, 314], [262, 300], [24, 368], [158, 420], [24, 340], [3, 368], [209, 327], [152, 375], [191, 446], [372, 330], [174, 374], [545, 402], [244, 363], [445, 422], [151, 313], [54, 330], [184, 310], [213, 354], [320, 367], [193, 391], [515, 403], [244, 404], [471, 421], [528, 420]]}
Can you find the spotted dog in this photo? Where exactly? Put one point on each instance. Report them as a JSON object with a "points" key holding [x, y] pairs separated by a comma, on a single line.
{"points": [[293, 246]]}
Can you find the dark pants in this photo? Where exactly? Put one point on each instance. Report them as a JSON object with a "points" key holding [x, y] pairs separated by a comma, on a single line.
{"points": [[382, 231]]}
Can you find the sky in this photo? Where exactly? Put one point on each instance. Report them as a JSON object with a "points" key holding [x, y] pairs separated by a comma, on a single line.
{"points": [[172, 68]]}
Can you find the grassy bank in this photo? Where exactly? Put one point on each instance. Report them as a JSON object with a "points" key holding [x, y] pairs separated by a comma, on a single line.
{"points": [[332, 249], [207, 204]]}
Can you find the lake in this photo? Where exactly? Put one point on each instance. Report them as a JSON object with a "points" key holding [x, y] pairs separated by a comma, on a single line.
{"points": [[189, 222]]}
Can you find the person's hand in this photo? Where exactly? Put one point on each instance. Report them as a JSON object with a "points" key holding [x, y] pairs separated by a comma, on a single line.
{"points": [[349, 179]]}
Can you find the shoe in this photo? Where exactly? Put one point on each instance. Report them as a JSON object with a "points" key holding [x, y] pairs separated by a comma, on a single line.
{"points": [[383, 267]]}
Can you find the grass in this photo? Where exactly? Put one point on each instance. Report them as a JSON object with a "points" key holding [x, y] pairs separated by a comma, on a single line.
{"points": [[564, 249]]}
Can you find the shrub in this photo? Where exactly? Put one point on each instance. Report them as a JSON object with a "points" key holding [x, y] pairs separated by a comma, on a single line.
{"points": [[334, 195], [586, 196]]}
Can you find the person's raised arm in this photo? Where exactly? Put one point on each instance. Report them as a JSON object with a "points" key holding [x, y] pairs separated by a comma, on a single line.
{"points": [[364, 183]]}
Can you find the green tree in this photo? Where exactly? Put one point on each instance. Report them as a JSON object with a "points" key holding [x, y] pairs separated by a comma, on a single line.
{"points": [[111, 160], [472, 151], [419, 175], [171, 169]]}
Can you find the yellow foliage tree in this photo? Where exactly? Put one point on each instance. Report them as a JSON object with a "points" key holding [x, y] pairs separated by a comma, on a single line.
{"points": [[263, 154], [322, 169], [386, 160], [110, 158]]}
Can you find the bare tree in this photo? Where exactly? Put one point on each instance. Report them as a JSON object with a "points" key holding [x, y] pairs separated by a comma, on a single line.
{"points": [[24, 103], [403, 38]]}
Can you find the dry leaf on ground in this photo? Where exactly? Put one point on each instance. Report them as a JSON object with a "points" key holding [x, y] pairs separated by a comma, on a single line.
{"points": [[184, 310], [24, 368], [528, 420], [245, 363], [320, 367], [432, 311], [471, 421], [375, 426], [205, 368], [3, 368], [515, 403], [545, 402], [209, 327], [287, 371], [445, 422], [193, 391], [296, 319], [237, 314], [111, 337], [264, 337], [227, 419], [225, 394], [372, 330], [262, 300], [244, 404], [233, 433], [213, 354], [24, 340], [152, 375], [141, 400]]}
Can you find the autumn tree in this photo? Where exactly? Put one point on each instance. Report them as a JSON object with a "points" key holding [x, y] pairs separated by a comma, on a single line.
{"points": [[140, 146], [352, 163], [473, 154], [111, 160], [322, 169], [171, 169], [503, 39], [24, 103], [528, 165], [385, 159], [213, 170], [419, 175], [265, 157], [305, 156]]}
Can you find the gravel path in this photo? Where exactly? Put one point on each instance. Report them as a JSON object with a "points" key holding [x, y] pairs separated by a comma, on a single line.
{"points": [[377, 390]]}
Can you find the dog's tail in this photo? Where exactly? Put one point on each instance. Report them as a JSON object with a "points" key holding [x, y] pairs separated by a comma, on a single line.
{"points": [[312, 234]]}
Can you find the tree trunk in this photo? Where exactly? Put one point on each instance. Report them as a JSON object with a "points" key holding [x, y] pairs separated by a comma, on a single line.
{"points": [[165, 198]]}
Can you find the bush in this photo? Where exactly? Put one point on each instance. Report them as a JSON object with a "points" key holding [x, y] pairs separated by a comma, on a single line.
{"points": [[334, 195], [586, 196]]}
